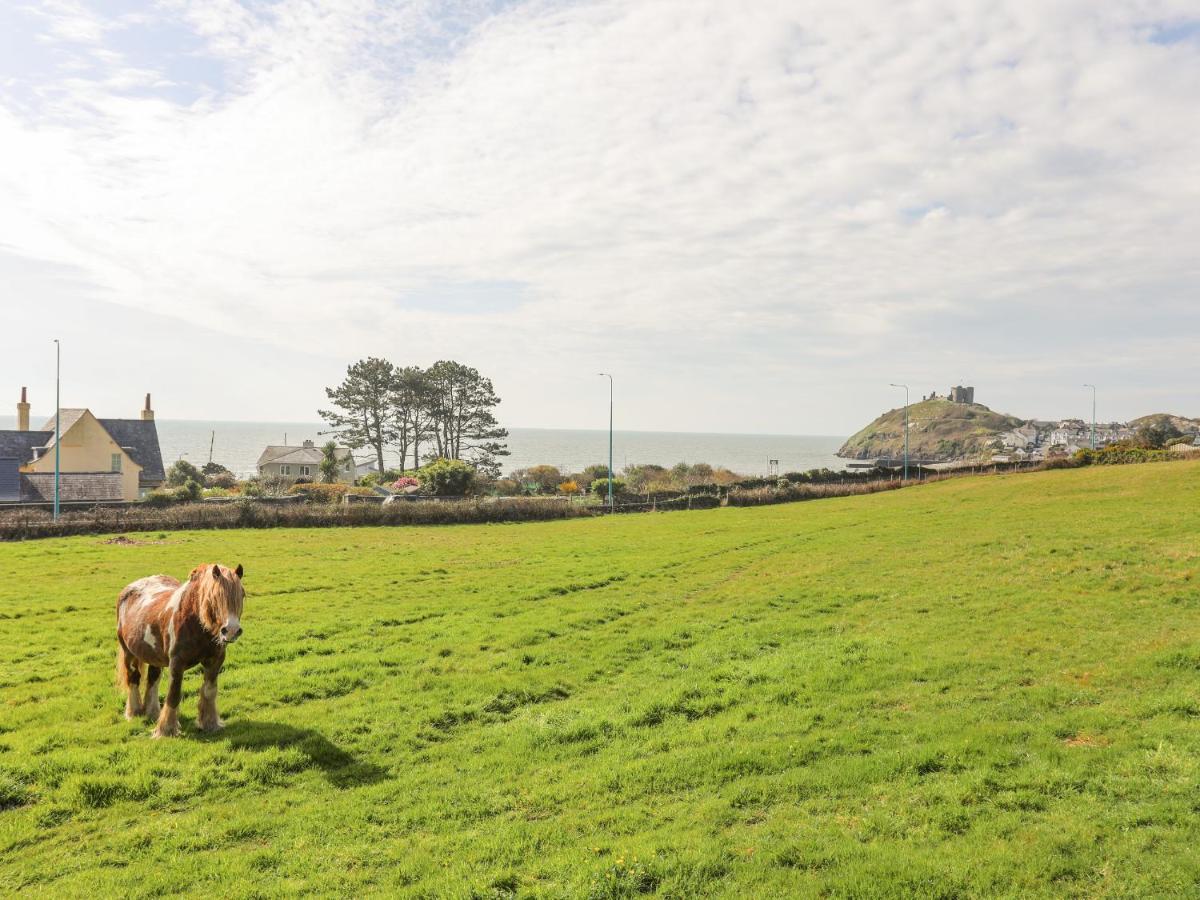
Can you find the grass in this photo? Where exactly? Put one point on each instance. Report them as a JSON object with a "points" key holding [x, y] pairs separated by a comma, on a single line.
{"points": [[980, 687]]}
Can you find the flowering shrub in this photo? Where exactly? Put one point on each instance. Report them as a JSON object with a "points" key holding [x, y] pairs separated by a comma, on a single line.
{"points": [[570, 488], [405, 481]]}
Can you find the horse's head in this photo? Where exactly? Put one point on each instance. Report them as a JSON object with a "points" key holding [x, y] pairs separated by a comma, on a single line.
{"points": [[220, 595]]}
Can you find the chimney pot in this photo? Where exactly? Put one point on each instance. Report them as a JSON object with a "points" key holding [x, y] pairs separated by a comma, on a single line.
{"points": [[147, 413]]}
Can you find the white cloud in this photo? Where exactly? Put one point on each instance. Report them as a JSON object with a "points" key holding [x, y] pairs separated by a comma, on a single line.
{"points": [[759, 216]]}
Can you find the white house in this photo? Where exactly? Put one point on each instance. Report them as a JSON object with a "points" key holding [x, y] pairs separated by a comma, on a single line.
{"points": [[290, 463]]}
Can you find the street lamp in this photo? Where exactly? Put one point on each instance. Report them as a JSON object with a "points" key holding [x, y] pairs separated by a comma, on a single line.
{"points": [[1093, 387], [610, 438], [57, 420], [905, 386]]}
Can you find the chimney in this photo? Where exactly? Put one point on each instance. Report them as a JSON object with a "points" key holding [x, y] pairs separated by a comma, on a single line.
{"points": [[147, 413], [308, 444], [23, 413]]}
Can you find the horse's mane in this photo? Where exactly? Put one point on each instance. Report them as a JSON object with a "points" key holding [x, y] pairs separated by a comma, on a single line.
{"points": [[216, 598]]}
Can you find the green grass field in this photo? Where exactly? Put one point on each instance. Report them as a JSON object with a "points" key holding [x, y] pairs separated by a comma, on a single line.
{"points": [[986, 686]]}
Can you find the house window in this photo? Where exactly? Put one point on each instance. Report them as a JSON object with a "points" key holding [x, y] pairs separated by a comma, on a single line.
{"points": [[285, 470], [116, 462], [306, 470]]}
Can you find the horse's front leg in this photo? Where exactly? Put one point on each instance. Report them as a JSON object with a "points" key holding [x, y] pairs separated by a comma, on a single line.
{"points": [[168, 719], [208, 720]]}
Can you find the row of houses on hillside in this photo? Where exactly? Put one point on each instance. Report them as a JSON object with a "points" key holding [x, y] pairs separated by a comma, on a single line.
{"points": [[1037, 439], [99, 459]]}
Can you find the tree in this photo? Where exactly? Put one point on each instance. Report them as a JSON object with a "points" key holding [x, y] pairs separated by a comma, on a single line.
{"points": [[364, 407], [329, 463], [460, 404], [1155, 435], [413, 410]]}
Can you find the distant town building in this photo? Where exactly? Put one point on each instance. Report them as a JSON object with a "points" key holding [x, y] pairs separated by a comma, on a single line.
{"points": [[99, 459], [287, 463]]}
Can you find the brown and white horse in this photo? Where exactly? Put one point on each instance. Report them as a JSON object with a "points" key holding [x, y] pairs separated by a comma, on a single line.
{"points": [[167, 625]]}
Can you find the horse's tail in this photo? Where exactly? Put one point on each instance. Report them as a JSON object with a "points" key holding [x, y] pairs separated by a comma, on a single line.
{"points": [[127, 663]]}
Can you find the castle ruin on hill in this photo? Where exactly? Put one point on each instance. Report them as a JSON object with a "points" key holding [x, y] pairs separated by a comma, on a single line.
{"points": [[957, 394]]}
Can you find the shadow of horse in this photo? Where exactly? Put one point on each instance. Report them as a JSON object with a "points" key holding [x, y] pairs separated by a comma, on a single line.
{"points": [[341, 769]]}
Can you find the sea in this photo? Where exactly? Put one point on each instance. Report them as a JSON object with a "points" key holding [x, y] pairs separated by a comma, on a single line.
{"points": [[237, 445]]}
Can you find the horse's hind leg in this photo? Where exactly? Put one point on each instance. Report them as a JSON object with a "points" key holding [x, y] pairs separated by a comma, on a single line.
{"points": [[150, 706], [129, 675]]}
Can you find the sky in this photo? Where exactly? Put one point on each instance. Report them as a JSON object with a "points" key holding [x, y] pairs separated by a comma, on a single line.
{"points": [[757, 216]]}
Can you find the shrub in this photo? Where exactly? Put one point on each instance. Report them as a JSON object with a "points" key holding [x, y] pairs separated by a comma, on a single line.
{"points": [[224, 480], [570, 488], [212, 468], [591, 473], [327, 493], [538, 479], [389, 475], [1120, 454], [405, 481], [600, 486], [447, 478], [191, 490], [182, 472]]}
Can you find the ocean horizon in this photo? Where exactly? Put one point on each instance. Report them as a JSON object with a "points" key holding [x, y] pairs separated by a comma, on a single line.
{"points": [[237, 446]]}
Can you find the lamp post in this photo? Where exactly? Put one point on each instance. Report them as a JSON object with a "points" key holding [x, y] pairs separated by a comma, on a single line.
{"points": [[905, 386], [1093, 387], [57, 420], [610, 438]]}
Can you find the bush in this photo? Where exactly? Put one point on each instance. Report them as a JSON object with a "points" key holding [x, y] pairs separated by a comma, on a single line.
{"points": [[447, 478], [600, 486], [1120, 454], [182, 472], [224, 480], [389, 475], [570, 488], [405, 481], [212, 468], [327, 493], [191, 490]]}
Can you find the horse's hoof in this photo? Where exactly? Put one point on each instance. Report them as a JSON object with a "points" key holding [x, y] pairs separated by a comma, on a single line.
{"points": [[165, 732], [210, 727]]}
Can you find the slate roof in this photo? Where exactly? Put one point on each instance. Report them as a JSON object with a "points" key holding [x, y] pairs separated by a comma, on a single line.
{"points": [[20, 445], [73, 487], [136, 437], [304, 456], [69, 418], [139, 439]]}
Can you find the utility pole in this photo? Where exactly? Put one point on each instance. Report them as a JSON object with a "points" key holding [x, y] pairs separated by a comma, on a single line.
{"points": [[905, 386], [1093, 387], [611, 505], [57, 422]]}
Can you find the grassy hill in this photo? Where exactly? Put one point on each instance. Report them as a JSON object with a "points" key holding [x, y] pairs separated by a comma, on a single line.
{"points": [[1183, 423], [979, 687], [938, 430]]}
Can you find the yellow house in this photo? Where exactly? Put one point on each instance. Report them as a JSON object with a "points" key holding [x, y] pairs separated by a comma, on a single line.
{"points": [[99, 459]]}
